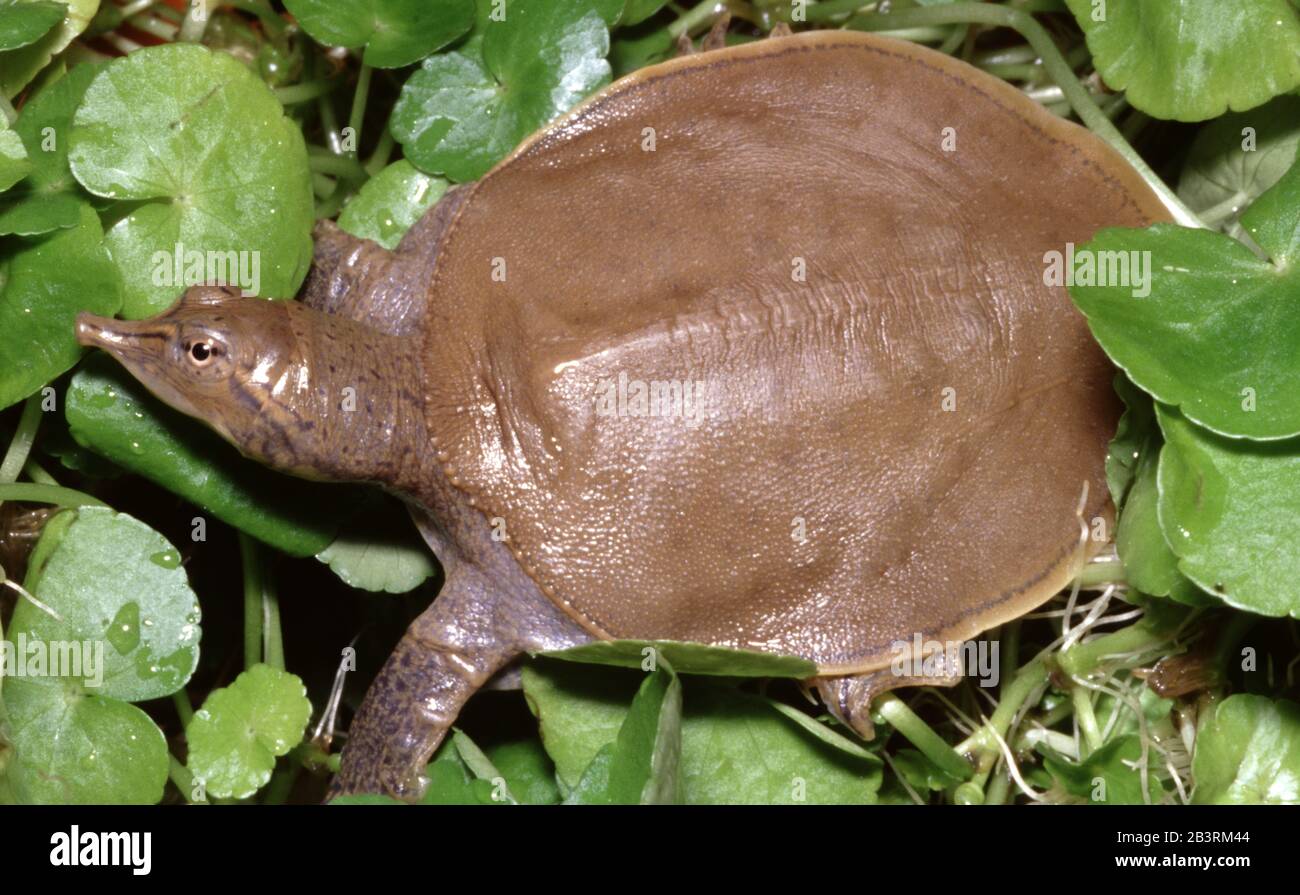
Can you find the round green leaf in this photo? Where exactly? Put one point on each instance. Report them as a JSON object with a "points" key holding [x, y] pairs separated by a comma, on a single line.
{"points": [[390, 202], [118, 588], [1249, 753], [380, 550], [1237, 157], [112, 414], [394, 32], [1230, 510], [461, 113], [44, 282], [24, 22], [221, 172], [19, 67], [1113, 764], [50, 197], [73, 748], [241, 729], [1217, 334], [1193, 61]]}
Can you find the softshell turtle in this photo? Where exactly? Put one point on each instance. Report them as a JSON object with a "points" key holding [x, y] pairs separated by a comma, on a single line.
{"points": [[749, 349]]}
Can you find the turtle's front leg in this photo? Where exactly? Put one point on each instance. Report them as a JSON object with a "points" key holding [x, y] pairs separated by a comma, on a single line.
{"points": [[471, 631]]}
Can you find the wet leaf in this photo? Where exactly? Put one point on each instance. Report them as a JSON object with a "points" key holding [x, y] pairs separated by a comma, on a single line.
{"points": [[379, 549], [221, 173], [390, 202], [1249, 753], [464, 111], [394, 32], [1193, 61], [76, 749], [1237, 157], [1230, 511], [24, 22], [236, 736], [19, 67], [118, 585], [44, 282], [1217, 335], [49, 198]]}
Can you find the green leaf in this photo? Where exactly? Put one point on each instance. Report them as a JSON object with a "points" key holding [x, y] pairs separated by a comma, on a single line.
{"points": [[921, 773], [1249, 753], [109, 412], [637, 11], [50, 197], [23, 22], [1230, 510], [236, 736], [1229, 166], [379, 549], [528, 770], [1136, 435], [723, 730], [390, 202], [687, 658], [44, 282], [126, 629], [14, 164], [221, 173], [117, 584], [71, 748], [394, 32], [647, 752], [462, 112], [1217, 334], [19, 67], [1150, 566], [1193, 61], [1109, 776]]}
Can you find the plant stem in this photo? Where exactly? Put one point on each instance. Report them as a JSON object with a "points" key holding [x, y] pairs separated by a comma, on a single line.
{"points": [[195, 22], [358, 114], [21, 444], [64, 497], [37, 473], [1082, 659], [307, 90], [339, 165], [152, 25], [184, 708], [136, 8], [695, 17], [982, 745], [1053, 62], [272, 638], [6, 107], [1092, 739], [379, 158], [922, 736], [1099, 573], [270, 19], [252, 568]]}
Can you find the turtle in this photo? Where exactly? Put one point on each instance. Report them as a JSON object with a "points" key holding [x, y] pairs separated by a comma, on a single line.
{"points": [[754, 348]]}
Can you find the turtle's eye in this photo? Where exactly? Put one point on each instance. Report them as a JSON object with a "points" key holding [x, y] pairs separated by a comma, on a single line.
{"points": [[201, 352]]}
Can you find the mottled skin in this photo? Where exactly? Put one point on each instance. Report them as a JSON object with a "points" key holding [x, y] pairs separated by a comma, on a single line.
{"points": [[473, 393]]}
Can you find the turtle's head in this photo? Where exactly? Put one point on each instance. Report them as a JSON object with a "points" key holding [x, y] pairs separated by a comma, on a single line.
{"points": [[272, 377]]}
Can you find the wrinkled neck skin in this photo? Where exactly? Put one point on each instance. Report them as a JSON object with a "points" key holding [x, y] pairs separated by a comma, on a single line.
{"points": [[343, 403]]}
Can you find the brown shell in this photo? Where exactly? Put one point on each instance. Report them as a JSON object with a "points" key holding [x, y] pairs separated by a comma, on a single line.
{"points": [[820, 501]]}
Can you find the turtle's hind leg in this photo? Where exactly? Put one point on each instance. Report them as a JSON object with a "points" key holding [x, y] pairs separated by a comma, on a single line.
{"points": [[471, 631]]}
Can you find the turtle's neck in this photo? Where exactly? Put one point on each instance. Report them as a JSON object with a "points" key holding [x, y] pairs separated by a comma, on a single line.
{"points": [[349, 404]]}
